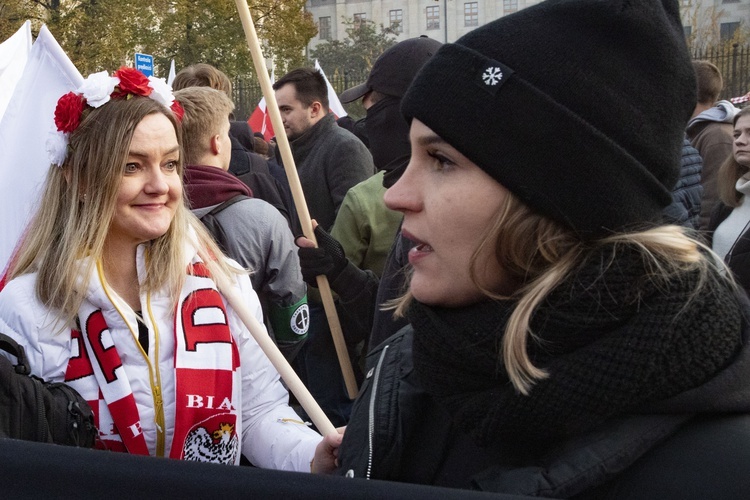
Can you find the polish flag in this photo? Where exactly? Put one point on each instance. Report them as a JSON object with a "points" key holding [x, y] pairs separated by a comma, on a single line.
{"points": [[260, 120]]}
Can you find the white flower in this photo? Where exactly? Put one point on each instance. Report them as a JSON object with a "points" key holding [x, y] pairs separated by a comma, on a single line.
{"points": [[162, 92], [98, 88], [57, 147]]}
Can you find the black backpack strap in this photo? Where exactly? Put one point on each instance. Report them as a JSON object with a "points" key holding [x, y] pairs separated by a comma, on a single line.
{"points": [[10, 346], [231, 201], [212, 224]]}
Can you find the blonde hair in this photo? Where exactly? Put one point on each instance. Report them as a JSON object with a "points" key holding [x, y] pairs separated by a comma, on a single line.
{"points": [[730, 171], [78, 205], [206, 110], [202, 75], [539, 254]]}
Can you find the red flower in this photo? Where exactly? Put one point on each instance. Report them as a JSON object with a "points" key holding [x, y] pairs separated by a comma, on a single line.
{"points": [[178, 111], [132, 81], [68, 112]]}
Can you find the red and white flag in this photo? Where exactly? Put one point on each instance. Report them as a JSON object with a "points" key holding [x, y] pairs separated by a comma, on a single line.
{"points": [[24, 128], [740, 99], [260, 120]]}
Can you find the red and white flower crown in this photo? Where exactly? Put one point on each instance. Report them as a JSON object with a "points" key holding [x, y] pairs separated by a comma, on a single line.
{"points": [[97, 90]]}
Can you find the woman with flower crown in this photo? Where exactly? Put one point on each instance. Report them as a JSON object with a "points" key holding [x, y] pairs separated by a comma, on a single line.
{"points": [[110, 294]]}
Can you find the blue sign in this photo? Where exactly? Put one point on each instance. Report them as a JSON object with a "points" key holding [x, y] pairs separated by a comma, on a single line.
{"points": [[144, 63]]}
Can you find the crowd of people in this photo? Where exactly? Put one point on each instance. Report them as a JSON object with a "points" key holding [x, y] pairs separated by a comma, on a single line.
{"points": [[540, 269]]}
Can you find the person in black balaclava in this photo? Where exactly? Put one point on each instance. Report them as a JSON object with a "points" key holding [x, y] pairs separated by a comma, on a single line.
{"points": [[360, 257]]}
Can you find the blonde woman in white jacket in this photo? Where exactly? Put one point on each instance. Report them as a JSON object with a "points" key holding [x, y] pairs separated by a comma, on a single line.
{"points": [[109, 294]]}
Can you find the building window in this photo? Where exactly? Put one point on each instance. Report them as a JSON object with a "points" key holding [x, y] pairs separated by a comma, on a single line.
{"points": [[359, 19], [510, 6], [324, 28], [433, 17], [471, 14], [727, 31], [396, 18]]}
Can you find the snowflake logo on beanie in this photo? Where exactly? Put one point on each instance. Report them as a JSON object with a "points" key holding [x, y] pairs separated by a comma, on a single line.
{"points": [[492, 75]]}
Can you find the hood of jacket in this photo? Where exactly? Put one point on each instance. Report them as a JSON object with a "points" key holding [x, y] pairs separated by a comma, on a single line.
{"points": [[722, 112]]}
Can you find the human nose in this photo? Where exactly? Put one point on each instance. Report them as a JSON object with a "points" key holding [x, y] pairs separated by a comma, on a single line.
{"points": [[741, 139], [404, 195], [156, 182]]}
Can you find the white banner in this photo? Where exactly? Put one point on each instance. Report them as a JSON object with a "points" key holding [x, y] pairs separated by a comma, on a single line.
{"points": [[24, 128], [13, 55]]}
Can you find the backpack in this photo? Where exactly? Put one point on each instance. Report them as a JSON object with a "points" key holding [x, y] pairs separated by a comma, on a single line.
{"points": [[34, 410], [213, 225]]}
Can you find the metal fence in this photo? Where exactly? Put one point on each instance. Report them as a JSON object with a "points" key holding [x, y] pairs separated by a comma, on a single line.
{"points": [[733, 62]]}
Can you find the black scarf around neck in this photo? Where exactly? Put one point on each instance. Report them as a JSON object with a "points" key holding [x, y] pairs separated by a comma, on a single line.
{"points": [[610, 341]]}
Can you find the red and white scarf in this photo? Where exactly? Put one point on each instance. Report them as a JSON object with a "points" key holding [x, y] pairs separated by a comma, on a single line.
{"points": [[206, 372]]}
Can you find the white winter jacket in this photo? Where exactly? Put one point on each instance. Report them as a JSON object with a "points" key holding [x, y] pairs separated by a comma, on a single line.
{"points": [[271, 436]]}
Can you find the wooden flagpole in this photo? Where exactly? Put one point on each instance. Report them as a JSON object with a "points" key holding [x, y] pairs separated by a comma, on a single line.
{"points": [[299, 197], [272, 352]]}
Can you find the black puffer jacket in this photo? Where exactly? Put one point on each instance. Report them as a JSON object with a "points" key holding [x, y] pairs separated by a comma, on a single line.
{"points": [[685, 209]]}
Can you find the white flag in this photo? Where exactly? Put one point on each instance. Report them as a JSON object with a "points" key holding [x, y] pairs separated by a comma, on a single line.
{"points": [[24, 128], [333, 98], [172, 73], [13, 55]]}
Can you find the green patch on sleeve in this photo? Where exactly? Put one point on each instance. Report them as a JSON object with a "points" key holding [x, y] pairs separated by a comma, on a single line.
{"points": [[290, 323]]}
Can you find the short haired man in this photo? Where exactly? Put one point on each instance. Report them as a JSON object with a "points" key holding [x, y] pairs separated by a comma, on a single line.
{"points": [[253, 232], [710, 132], [265, 179], [329, 159]]}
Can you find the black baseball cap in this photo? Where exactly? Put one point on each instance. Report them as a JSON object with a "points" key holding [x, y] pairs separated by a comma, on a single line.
{"points": [[394, 70]]}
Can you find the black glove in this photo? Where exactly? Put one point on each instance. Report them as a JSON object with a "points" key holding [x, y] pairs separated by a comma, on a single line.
{"points": [[328, 259]]}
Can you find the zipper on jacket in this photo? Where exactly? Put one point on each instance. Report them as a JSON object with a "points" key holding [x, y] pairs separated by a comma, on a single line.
{"points": [[154, 375], [371, 411]]}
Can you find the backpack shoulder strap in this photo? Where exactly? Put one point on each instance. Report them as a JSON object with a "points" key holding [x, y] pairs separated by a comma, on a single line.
{"points": [[213, 225], [10, 346], [231, 201]]}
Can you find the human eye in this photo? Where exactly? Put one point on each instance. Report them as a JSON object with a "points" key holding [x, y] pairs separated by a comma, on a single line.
{"points": [[131, 168], [170, 165], [442, 162]]}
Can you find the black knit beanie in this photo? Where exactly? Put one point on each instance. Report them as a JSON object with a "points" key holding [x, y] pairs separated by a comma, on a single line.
{"points": [[578, 107]]}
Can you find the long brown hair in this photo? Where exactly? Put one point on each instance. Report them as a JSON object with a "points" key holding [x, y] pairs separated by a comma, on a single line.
{"points": [[730, 171]]}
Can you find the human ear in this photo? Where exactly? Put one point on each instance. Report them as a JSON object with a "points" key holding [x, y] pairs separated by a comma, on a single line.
{"points": [[215, 144], [315, 109]]}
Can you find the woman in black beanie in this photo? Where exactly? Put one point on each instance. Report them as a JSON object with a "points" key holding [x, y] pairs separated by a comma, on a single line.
{"points": [[559, 334]]}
